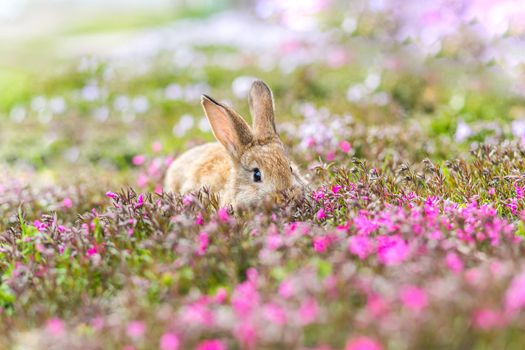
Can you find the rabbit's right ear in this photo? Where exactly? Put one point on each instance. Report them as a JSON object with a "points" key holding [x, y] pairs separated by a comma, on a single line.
{"points": [[262, 110], [228, 127]]}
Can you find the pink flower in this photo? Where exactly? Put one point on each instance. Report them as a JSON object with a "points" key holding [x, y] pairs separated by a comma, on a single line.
{"points": [[363, 343], [308, 311], [138, 160], [513, 205], [392, 250], [203, 243], [92, 251], [362, 246], [169, 341], [345, 146], [245, 298], [274, 313], [377, 306], [318, 195], [55, 327], [491, 191], [135, 329], [515, 294], [140, 201], [199, 219], [142, 180], [111, 195], [220, 296], [336, 189], [414, 298], [488, 319], [40, 226], [211, 344], [321, 244], [320, 214], [199, 314], [98, 323], [286, 289], [454, 262], [187, 199], [274, 241], [246, 335], [330, 156], [67, 203], [156, 146], [223, 215]]}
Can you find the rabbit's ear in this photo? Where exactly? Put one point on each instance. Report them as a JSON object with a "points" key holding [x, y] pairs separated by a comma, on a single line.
{"points": [[262, 110], [228, 127]]}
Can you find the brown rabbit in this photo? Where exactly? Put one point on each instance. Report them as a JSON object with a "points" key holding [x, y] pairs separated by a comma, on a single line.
{"points": [[247, 164]]}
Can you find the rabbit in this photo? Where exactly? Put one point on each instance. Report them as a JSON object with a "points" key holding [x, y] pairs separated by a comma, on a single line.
{"points": [[246, 165]]}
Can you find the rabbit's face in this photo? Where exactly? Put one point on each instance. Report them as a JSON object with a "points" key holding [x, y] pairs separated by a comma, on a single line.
{"points": [[262, 171], [260, 166]]}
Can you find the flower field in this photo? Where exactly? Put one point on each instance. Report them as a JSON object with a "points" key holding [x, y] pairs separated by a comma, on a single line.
{"points": [[408, 122]]}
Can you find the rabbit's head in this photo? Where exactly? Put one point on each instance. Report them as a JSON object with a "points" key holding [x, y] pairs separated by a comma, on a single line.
{"points": [[260, 167]]}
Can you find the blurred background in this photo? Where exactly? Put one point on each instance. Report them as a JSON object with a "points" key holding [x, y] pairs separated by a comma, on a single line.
{"points": [[104, 87]]}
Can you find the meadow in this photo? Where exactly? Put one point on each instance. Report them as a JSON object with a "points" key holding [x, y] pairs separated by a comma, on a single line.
{"points": [[408, 122]]}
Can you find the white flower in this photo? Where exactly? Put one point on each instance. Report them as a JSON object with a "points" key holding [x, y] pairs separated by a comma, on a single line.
{"points": [[463, 131], [241, 86]]}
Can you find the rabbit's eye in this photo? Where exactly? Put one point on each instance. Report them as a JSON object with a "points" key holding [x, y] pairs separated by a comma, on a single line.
{"points": [[291, 170], [257, 177]]}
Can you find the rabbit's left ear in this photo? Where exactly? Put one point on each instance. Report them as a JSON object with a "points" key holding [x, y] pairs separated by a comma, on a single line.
{"points": [[262, 110]]}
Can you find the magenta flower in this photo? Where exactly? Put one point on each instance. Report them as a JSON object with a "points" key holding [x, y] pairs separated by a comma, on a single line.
{"points": [[363, 343], [336, 189], [199, 219], [211, 344], [223, 215], [140, 201], [92, 251], [321, 244], [169, 341], [414, 298], [513, 205], [345, 146], [318, 195], [320, 214], [362, 246], [111, 195], [392, 250], [40, 226]]}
